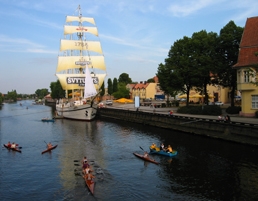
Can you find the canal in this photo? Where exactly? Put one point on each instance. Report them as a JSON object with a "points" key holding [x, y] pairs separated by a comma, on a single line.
{"points": [[204, 169]]}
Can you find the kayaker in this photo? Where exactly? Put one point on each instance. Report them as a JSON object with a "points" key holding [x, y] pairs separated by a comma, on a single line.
{"points": [[9, 144], [89, 176], [84, 166], [146, 155], [87, 170], [49, 145], [162, 147], [153, 146], [169, 149], [84, 160], [13, 146]]}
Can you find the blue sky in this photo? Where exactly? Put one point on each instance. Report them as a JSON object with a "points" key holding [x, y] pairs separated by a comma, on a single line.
{"points": [[136, 35]]}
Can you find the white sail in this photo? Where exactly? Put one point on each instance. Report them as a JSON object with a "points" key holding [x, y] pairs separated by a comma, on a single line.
{"points": [[80, 45], [80, 19], [90, 90], [69, 62], [75, 29]]}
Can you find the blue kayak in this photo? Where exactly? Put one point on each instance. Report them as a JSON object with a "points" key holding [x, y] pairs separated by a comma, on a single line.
{"points": [[164, 153]]}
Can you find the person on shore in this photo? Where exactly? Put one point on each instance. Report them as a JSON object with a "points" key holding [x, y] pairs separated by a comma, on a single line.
{"points": [[169, 149], [170, 112], [227, 119]]}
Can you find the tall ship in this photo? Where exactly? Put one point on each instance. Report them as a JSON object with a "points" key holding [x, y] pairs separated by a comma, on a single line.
{"points": [[80, 69]]}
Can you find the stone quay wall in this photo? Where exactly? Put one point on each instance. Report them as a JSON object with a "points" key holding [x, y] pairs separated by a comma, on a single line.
{"points": [[239, 132]]}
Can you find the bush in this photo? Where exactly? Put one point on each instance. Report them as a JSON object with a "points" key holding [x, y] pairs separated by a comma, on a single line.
{"points": [[233, 110], [205, 110]]}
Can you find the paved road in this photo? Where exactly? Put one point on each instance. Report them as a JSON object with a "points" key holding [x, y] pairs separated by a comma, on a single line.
{"points": [[235, 118]]}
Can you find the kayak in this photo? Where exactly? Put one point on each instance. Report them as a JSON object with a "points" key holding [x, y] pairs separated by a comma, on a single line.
{"points": [[18, 150], [164, 153], [49, 149], [146, 159], [90, 184]]}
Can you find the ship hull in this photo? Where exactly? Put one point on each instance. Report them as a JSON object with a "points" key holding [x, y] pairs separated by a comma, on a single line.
{"points": [[81, 112]]}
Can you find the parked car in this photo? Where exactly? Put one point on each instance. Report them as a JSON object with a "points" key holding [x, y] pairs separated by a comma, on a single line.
{"points": [[109, 102], [218, 103]]}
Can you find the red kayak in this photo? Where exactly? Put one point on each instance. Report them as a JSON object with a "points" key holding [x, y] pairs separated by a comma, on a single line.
{"points": [[47, 150], [146, 158], [90, 184], [14, 149]]}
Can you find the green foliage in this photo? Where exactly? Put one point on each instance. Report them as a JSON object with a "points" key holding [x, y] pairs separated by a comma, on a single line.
{"points": [[151, 80], [233, 109], [124, 78], [199, 110], [110, 87], [115, 85], [102, 88], [122, 91], [57, 91], [169, 81], [1, 98], [12, 95], [228, 48]]}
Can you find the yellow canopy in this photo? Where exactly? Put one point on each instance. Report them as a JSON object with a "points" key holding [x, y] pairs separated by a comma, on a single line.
{"points": [[197, 96], [74, 93], [123, 100], [184, 96]]}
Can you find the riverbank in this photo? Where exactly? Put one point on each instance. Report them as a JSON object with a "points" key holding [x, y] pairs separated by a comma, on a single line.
{"points": [[240, 129]]}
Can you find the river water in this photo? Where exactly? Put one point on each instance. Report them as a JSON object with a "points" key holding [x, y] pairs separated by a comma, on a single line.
{"points": [[204, 169]]}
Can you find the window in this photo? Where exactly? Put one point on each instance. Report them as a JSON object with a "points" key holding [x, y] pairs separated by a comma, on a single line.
{"points": [[246, 76], [255, 101]]}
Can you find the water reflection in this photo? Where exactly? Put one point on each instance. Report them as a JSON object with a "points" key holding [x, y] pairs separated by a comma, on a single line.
{"points": [[204, 169]]}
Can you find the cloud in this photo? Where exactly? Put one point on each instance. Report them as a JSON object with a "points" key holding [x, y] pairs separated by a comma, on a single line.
{"points": [[186, 7]]}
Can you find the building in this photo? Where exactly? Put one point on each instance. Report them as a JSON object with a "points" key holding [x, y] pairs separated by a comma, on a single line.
{"points": [[144, 90], [247, 66]]}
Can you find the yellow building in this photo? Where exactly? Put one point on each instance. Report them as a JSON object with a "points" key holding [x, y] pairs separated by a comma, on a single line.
{"points": [[246, 68], [143, 90]]}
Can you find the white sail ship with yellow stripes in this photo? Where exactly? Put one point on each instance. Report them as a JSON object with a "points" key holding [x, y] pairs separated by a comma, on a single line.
{"points": [[81, 69]]}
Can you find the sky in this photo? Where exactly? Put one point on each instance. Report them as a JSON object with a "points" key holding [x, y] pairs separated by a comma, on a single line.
{"points": [[135, 35]]}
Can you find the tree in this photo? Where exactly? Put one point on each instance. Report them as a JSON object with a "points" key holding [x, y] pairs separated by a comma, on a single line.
{"points": [[57, 91], [102, 88], [110, 87], [180, 60], [115, 85], [122, 91], [229, 41], [169, 81], [151, 80], [1, 98], [204, 58], [124, 78]]}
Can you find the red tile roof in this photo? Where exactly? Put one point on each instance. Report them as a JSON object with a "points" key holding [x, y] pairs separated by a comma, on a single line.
{"points": [[249, 44], [140, 86]]}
